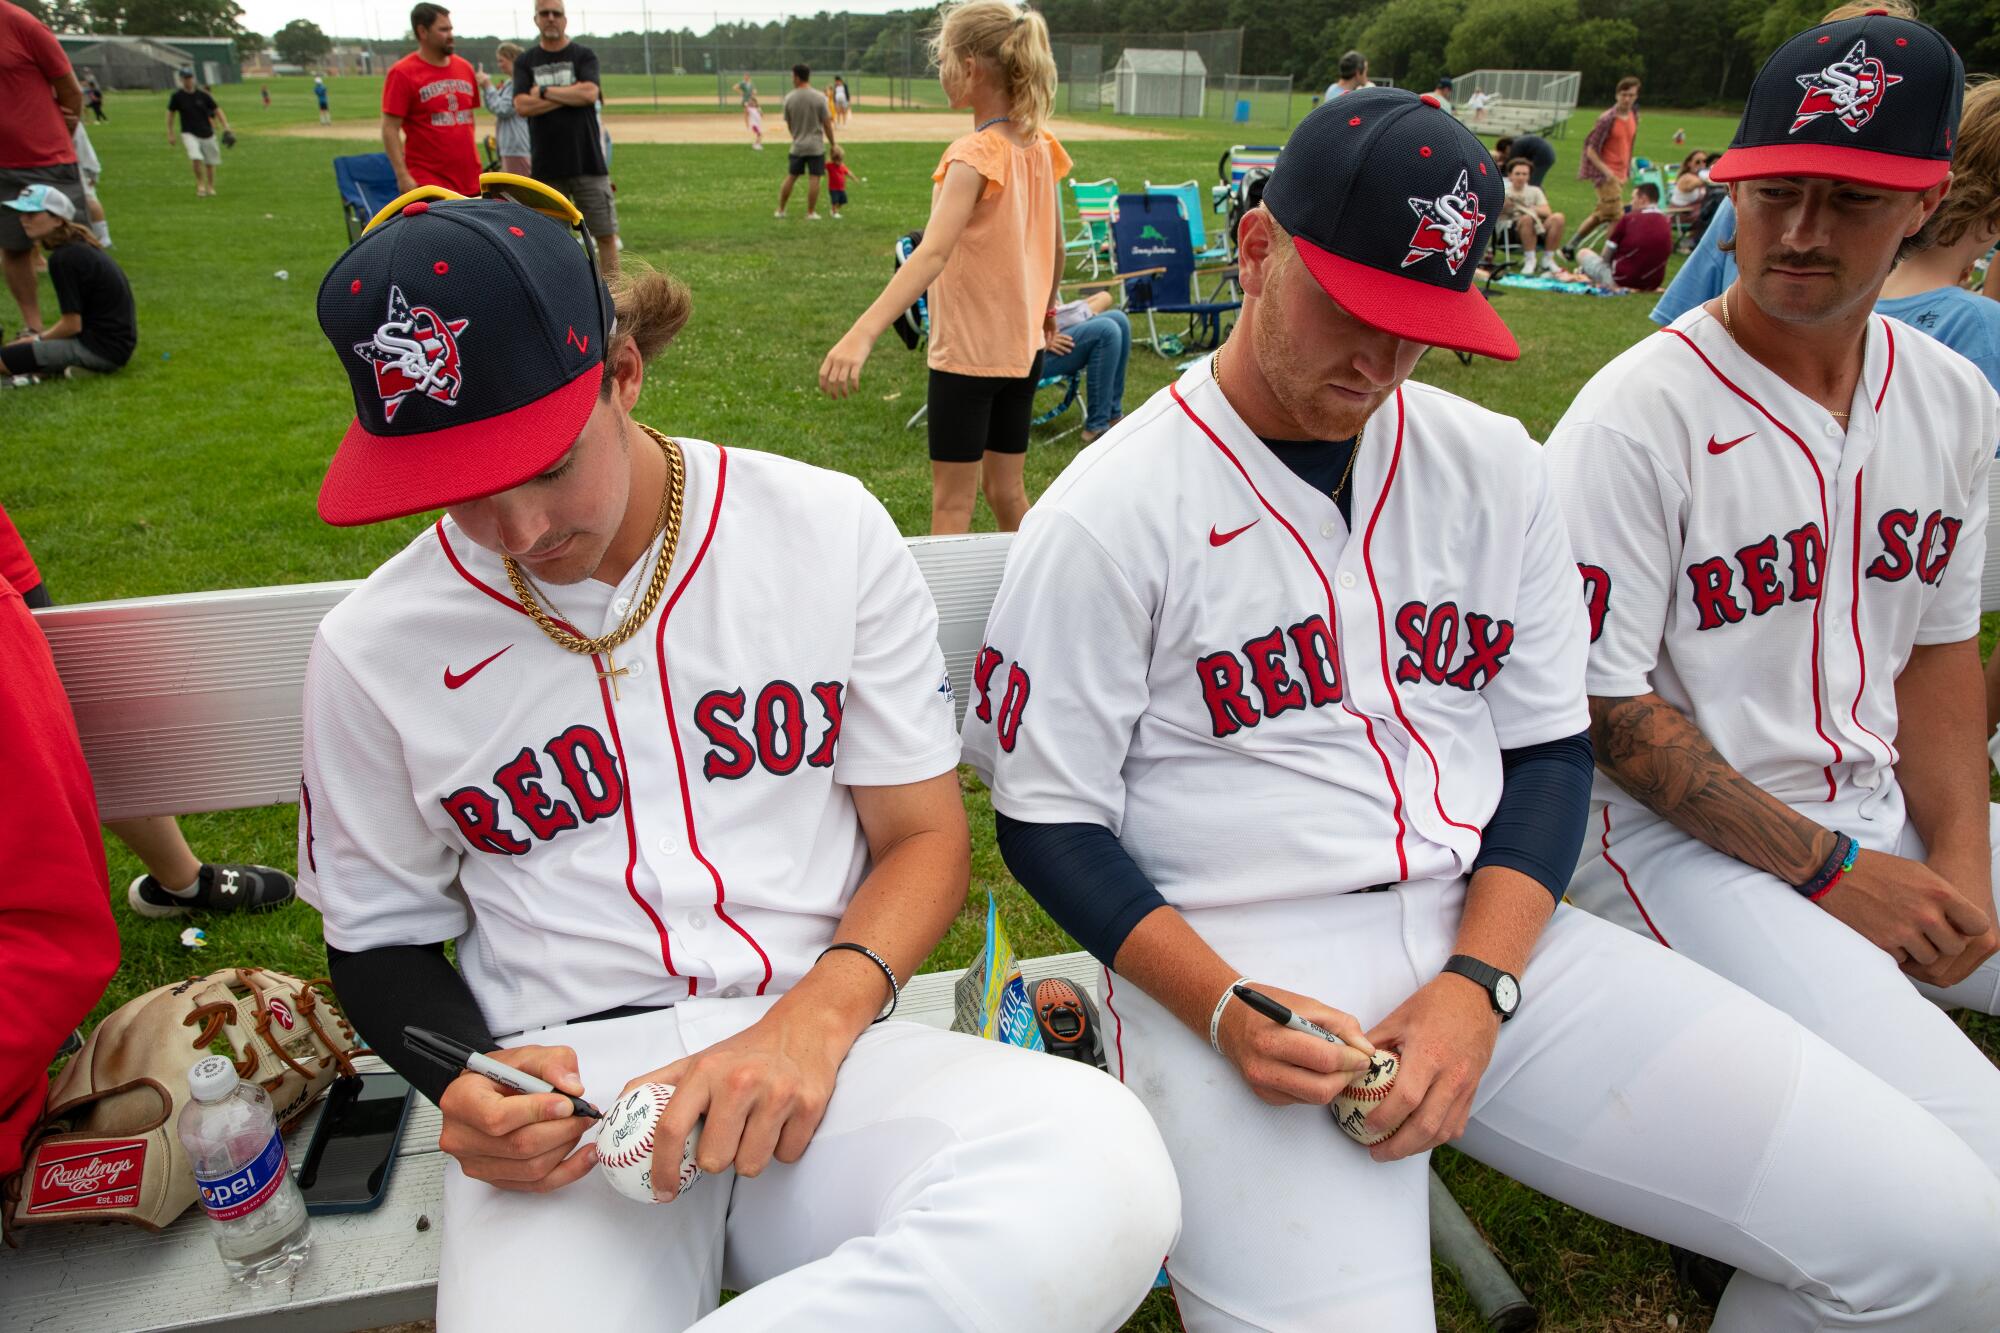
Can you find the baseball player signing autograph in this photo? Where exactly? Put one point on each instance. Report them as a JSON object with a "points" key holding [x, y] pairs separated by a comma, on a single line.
{"points": [[1779, 503], [1285, 682], [659, 733]]}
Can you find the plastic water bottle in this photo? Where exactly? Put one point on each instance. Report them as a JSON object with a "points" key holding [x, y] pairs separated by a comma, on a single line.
{"points": [[255, 1210]]}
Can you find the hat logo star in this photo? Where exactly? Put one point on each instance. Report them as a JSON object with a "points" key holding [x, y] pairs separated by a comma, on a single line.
{"points": [[1850, 89], [1446, 225], [414, 350]]}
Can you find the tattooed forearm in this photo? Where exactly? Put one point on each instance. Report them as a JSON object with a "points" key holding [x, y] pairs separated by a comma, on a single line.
{"points": [[1655, 752]]}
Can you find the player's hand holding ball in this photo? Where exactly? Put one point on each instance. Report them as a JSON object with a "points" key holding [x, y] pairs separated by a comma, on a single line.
{"points": [[1288, 1068], [1444, 1037], [627, 1139], [514, 1140], [757, 1095]]}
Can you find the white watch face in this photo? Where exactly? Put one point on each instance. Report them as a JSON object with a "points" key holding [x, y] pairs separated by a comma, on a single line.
{"points": [[1506, 994]]}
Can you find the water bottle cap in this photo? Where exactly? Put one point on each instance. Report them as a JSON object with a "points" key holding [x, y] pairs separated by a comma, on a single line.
{"points": [[212, 1079]]}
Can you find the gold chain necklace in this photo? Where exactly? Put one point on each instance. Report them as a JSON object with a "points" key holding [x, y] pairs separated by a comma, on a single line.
{"points": [[1732, 337], [669, 520], [1215, 373]]}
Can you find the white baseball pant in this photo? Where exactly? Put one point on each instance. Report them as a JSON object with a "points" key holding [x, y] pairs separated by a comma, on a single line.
{"points": [[953, 1184], [1631, 1084], [1755, 930]]}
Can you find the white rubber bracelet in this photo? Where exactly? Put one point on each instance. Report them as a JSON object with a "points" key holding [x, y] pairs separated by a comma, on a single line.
{"points": [[1215, 1019]]}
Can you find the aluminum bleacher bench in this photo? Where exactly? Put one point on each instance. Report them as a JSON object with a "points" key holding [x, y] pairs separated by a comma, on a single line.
{"points": [[191, 703]]}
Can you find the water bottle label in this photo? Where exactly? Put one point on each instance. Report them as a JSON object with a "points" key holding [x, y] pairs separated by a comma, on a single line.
{"points": [[229, 1197]]}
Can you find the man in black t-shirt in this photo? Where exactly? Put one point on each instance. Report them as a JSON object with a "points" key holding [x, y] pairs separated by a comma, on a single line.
{"points": [[555, 91], [99, 327], [199, 116]]}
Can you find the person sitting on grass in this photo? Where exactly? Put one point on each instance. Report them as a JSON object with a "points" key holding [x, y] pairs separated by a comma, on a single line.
{"points": [[1095, 338], [99, 327], [1525, 208], [1635, 254], [836, 177]]}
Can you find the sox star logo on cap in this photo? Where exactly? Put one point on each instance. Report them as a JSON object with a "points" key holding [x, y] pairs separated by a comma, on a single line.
{"points": [[1872, 99], [414, 350], [1850, 88], [1345, 188], [473, 334]]}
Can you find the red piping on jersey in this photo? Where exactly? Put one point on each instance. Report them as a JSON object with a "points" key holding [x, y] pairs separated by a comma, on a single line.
{"points": [[673, 731], [1887, 371], [1117, 1027], [1333, 615], [611, 721], [1382, 623], [1630, 892], [1825, 525], [1860, 652], [306, 800]]}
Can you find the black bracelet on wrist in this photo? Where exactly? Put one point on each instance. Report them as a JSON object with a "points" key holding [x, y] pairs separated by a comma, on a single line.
{"points": [[895, 987], [1837, 862]]}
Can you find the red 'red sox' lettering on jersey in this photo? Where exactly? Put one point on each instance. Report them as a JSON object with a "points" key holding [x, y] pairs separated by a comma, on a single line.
{"points": [[1243, 686], [1714, 580], [778, 729], [1431, 634], [584, 767], [1927, 558], [1013, 701]]}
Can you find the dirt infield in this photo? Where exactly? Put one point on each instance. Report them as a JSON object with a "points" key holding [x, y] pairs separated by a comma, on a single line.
{"points": [[727, 128]]}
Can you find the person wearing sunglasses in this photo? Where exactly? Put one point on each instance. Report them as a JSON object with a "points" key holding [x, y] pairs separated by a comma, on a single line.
{"points": [[659, 732], [556, 92]]}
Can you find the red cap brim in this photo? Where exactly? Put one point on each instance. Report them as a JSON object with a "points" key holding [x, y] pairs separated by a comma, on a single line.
{"points": [[1463, 321], [1887, 171], [376, 477]]}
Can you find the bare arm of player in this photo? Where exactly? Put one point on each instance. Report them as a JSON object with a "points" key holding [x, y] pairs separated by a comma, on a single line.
{"points": [[392, 144], [1655, 752], [1443, 1035], [1164, 957], [1940, 735], [516, 1140], [840, 373], [761, 1093]]}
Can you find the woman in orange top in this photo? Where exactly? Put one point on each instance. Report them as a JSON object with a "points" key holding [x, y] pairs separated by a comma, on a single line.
{"points": [[991, 259]]}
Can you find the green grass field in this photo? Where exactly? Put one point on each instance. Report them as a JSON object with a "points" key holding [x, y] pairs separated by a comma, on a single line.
{"points": [[196, 467]]}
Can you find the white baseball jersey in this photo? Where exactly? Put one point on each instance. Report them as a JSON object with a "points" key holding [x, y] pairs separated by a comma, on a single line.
{"points": [[684, 829], [1190, 648], [1188, 638], [1764, 571]]}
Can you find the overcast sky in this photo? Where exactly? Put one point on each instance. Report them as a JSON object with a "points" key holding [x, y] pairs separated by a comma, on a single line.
{"points": [[387, 19]]}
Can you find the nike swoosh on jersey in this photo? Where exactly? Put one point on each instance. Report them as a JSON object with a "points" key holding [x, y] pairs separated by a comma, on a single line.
{"points": [[454, 679], [1716, 446], [1217, 538]]}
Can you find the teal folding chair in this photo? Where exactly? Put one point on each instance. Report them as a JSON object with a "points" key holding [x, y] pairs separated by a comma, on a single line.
{"points": [[1188, 194], [1094, 201]]}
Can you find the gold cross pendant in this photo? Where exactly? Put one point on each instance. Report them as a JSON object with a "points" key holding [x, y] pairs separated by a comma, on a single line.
{"points": [[613, 673]]}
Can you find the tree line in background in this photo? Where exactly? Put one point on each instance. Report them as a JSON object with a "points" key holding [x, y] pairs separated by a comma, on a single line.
{"points": [[1690, 52]]}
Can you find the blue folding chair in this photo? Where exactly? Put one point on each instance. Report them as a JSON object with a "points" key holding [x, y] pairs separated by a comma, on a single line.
{"points": [[367, 183], [914, 327], [1148, 232], [1189, 194]]}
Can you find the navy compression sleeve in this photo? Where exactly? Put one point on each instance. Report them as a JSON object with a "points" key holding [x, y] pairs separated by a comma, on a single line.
{"points": [[1544, 805], [1083, 877], [382, 989]]}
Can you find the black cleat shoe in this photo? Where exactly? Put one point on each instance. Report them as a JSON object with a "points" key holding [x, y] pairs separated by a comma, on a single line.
{"points": [[1068, 1021], [221, 888], [1700, 1275]]}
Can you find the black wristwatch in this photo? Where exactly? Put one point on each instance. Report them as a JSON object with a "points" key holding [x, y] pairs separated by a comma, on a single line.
{"points": [[1502, 988]]}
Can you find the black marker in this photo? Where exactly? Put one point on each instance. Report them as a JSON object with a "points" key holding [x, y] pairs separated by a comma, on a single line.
{"points": [[456, 1055], [1282, 1016]]}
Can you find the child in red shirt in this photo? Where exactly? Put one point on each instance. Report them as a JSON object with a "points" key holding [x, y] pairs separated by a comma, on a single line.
{"points": [[836, 176]]}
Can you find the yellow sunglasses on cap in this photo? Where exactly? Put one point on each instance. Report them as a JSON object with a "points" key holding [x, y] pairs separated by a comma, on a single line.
{"points": [[492, 185]]}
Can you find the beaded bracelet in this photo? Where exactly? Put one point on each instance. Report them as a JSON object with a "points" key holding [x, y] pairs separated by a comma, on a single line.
{"points": [[1215, 1019], [895, 987], [1845, 850]]}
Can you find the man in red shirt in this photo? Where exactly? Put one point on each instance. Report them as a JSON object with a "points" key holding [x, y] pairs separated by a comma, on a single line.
{"points": [[58, 946], [427, 103], [43, 103], [1635, 253]]}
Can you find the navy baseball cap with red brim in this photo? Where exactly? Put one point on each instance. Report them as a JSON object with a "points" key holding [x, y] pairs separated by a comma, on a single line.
{"points": [[1391, 203], [473, 334], [1873, 99]]}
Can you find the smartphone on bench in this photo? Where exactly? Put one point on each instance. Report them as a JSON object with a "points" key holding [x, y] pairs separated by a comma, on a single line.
{"points": [[353, 1148]]}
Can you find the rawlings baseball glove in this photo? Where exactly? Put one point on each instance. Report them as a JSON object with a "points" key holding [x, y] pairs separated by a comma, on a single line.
{"points": [[105, 1150]]}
